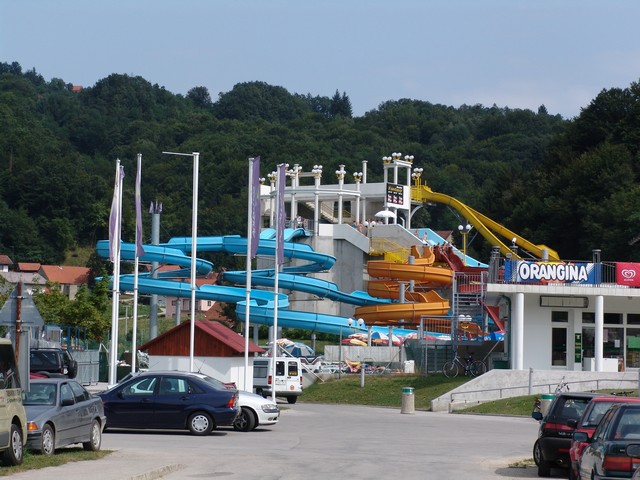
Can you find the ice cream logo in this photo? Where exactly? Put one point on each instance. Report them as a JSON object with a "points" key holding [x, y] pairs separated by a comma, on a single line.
{"points": [[628, 274]]}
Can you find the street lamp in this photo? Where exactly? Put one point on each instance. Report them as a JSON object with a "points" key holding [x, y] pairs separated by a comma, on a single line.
{"points": [[417, 173], [464, 230], [194, 242], [340, 173], [272, 188], [357, 176], [316, 171]]}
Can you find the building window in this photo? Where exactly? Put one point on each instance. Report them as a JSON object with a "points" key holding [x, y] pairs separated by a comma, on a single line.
{"points": [[633, 318], [588, 317], [613, 318], [560, 316]]}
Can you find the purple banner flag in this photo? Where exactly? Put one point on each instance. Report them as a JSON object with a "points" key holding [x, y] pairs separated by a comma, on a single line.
{"points": [[115, 217], [255, 205], [139, 247], [282, 214]]}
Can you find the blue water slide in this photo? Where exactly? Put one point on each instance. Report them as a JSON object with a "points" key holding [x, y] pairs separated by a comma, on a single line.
{"points": [[262, 302]]}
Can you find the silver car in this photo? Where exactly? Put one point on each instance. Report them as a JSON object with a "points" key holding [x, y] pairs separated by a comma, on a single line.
{"points": [[255, 411], [62, 412]]}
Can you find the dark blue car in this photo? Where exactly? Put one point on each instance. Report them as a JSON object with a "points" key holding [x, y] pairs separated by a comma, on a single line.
{"points": [[170, 400]]}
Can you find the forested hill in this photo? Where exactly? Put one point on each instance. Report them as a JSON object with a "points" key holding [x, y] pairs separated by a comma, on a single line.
{"points": [[568, 184]]}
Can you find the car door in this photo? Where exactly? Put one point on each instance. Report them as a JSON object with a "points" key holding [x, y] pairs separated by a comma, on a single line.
{"points": [[591, 458], [84, 411], [132, 404], [67, 417], [173, 402]]}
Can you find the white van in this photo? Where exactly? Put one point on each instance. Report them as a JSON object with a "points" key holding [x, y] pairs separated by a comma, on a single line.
{"points": [[288, 381], [13, 419]]}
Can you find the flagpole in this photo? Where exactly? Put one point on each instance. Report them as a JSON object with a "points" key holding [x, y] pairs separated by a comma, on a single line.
{"points": [[253, 235], [280, 221], [115, 228], [138, 251]]}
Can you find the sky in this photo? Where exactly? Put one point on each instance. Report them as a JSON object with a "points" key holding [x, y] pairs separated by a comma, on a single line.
{"points": [[509, 53]]}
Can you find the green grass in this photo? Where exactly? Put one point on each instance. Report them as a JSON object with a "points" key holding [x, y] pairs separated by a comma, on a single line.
{"points": [[381, 390], [32, 461]]}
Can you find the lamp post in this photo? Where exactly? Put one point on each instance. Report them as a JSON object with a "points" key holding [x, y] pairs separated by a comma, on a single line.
{"points": [[194, 242], [340, 173], [416, 176], [464, 231], [357, 176], [317, 177], [272, 185], [294, 173]]}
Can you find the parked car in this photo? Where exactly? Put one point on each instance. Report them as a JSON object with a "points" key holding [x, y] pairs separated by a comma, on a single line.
{"points": [[554, 436], [590, 419], [52, 362], [606, 455], [171, 400], [13, 419], [255, 411], [62, 412]]}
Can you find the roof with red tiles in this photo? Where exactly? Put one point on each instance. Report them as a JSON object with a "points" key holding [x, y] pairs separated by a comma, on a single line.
{"points": [[65, 275]]}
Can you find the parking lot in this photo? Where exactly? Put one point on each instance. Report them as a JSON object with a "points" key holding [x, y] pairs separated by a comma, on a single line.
{"points": [[320, 442]]}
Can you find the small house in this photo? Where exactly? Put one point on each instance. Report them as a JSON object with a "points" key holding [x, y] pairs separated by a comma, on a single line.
{"points": [[218, 351]]}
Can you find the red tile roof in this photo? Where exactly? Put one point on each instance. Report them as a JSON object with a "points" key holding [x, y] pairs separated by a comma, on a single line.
{"points": [[65, 275], [215, 330], [28, 267], [5, 260]]}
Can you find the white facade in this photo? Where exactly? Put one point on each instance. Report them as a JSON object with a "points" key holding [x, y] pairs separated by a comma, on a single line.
{"points": [[579, 328], [225, 369]]}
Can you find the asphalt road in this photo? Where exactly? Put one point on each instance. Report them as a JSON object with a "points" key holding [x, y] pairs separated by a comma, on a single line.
{"points": [[322, 442]]}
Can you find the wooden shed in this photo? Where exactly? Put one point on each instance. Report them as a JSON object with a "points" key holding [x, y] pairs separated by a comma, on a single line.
{"points": [[218, 351]]}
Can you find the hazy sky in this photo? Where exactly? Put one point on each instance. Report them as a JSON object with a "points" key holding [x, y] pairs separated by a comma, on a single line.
{"points": [[515, 53]]}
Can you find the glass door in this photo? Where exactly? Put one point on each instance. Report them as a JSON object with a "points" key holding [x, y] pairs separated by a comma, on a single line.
{"points": [[559, 346]]}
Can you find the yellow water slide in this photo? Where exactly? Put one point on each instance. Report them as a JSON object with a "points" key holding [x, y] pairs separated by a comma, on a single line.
{"points": [[417, 303], [484, 225]]}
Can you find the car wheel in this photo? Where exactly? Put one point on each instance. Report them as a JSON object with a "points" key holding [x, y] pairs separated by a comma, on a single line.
{"points": [[292, 400], [200, 423], [95, 438], [246, 421], [47, 441], [537, 453], [13, 455], [544, 468]]}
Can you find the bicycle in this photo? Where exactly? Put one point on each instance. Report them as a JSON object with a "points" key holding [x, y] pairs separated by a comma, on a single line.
{"points": [[469, 366], [562, 386]]}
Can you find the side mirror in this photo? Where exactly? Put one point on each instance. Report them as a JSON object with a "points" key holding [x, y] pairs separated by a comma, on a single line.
{"points": [[537, 416], [580, 437], [120, 394], [573, 423], [67, 401]]}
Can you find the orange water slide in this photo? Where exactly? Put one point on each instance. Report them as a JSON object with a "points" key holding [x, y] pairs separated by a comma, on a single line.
{"points": [[416, 304]]}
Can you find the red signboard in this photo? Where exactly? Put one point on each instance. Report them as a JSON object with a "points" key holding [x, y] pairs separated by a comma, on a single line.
{"points": [[628, 274]]}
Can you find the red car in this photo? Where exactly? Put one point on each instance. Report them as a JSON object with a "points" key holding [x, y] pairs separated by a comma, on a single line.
{"points": [[590, 419]]}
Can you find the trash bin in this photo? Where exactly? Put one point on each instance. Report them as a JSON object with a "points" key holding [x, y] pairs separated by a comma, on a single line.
{"points": [[545, 403], [408, 401]]}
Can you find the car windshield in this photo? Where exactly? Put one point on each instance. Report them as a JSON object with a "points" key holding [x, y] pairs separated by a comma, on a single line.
{"points": [[40, 394], [598, 409]]}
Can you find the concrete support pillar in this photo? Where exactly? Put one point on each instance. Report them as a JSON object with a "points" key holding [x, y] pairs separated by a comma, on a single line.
{"points": [[599, 333], [517, 332]]}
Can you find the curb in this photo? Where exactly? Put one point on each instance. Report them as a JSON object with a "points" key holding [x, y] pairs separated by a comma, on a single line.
{"points": [[158, 472]]}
